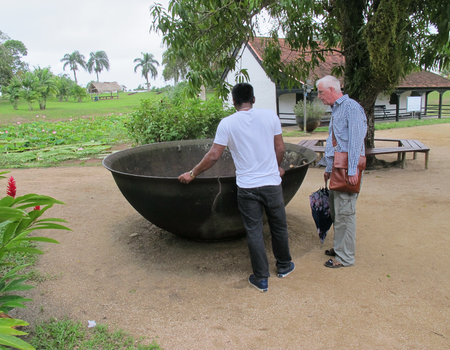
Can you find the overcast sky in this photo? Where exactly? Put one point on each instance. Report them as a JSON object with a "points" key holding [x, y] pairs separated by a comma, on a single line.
{"points": [[51, 28]]}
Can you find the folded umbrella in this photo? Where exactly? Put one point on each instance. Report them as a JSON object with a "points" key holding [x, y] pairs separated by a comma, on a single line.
{"points": [[320, 209]]}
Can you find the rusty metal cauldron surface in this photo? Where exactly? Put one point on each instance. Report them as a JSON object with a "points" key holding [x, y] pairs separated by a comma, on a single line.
{"points": [[205, 209]]}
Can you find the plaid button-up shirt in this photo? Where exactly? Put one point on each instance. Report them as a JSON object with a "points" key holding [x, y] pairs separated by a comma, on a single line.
{"points": [[349, 123]]}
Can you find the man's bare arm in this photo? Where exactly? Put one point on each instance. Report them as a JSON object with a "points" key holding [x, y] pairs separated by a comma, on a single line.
{"points": [[208, 161]]}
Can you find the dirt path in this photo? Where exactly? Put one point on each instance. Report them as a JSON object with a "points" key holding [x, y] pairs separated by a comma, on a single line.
{"points": [[118, 269]]}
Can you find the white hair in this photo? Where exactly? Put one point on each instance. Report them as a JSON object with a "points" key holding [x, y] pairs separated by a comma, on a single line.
{"points": [[329, 81]]}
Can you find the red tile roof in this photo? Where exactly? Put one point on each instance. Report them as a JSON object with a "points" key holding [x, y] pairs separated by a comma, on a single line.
{"points": [[287, 55], [422, 79]]}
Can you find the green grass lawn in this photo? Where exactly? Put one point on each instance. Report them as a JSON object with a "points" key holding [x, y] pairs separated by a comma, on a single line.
{"points": [[56, 110], [433, 98]]}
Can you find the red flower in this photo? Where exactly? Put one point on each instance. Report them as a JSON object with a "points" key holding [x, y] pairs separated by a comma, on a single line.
{"points": [[37, 207], [11, 188]]}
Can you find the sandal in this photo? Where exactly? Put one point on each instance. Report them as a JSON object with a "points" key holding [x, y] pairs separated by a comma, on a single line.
{"points": [[330, 252], [334, 264]]}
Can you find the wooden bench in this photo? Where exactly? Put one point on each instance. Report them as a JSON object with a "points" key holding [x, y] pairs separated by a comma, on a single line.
{"points": [[403, 146], [380, 110], [106, 97]]}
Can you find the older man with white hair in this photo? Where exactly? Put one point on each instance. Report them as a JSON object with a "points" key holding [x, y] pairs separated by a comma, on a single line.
{"points": [[348, 128]]}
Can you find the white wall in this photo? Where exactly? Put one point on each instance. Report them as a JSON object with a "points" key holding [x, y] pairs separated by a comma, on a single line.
{"points": [[264, 88], [403, 100], [286, 104], [384, 100]]}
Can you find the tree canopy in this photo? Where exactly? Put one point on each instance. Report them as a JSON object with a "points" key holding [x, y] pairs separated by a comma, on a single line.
{"points": [[97, 62], [381, 40], [11, 53], [73, 60], [148, 66], [174, 68]]}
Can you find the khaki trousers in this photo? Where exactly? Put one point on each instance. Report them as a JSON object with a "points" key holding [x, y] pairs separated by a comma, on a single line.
{"points": [[343, 214]]}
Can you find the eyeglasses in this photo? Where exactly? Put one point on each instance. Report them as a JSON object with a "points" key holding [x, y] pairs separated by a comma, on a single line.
{"points": [[320, 92]]}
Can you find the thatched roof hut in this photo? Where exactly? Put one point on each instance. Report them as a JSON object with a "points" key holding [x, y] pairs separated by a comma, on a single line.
{"points": [[101, 88]]}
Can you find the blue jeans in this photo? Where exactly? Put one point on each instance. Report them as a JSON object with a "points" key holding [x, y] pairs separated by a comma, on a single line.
{"points": [[252, 204]]}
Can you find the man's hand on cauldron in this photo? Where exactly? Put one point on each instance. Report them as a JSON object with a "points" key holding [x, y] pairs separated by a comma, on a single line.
{"points": [[281, 171], [186, 178], [207, 162]]}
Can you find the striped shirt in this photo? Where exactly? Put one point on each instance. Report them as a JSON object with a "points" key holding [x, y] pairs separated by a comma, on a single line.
{"points": [[349, 123]]}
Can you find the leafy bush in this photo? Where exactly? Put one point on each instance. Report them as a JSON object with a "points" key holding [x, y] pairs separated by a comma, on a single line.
{"points": [[313, 111], [16, 224], [44, 143], [172, 119]]}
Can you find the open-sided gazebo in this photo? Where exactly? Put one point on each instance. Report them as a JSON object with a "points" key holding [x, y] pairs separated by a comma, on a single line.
{"points": [[101, 88]]}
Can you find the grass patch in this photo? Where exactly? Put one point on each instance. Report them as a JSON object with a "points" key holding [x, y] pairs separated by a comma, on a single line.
{"points": [[67, 334], [433, 98], [379, 126], [56, 110], [410, 123]]}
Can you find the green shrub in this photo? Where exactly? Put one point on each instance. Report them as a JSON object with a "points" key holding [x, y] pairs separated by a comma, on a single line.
{"points": [[19, 217], [170, 119], [313, 111]]}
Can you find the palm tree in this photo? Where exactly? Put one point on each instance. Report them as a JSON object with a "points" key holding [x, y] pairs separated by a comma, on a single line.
{"points": [[47, 85], [63, 84], [73, 60], [78, 92], [97, 62], [175, 68], [30, 86], [147, 64], [13, 91]]}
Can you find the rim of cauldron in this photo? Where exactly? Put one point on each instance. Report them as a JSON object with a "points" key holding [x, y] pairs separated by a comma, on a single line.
{"points": [[107, 161]]}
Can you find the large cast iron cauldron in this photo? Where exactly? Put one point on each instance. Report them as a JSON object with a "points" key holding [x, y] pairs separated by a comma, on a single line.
{"points": [[205, 209]]}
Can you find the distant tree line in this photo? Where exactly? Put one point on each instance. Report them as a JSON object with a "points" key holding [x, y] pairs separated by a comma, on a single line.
{"points": [[39, 85], [96, 63], [18, 81]]}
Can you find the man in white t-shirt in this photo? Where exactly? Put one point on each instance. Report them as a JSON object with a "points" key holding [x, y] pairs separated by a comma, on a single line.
{"points": [[254, 139]]}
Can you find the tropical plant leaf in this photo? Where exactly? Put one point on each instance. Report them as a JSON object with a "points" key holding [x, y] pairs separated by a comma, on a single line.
{"points": [[37, 239], [13, 298], [13, 304], [32, 200], [49, 225], [6, 201], [8, 231], [9, 340], [51, 219], [7, 213], [16, 285], [6, 264]]}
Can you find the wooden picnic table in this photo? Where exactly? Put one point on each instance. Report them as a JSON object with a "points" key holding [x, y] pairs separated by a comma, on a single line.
{"points": [[403, 146], [107, 97]]}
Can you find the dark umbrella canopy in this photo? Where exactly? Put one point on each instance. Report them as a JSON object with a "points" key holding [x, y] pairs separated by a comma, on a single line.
{"points": [[320, 208]]}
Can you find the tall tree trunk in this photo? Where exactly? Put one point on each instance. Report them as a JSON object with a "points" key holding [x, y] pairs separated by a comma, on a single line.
{"points": [[357, 64]]}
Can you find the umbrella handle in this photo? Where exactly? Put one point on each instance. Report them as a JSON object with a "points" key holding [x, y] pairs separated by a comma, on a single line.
{"points": [[326, 181]]}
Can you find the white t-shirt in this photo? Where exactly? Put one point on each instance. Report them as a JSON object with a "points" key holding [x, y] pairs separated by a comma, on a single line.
{"points": [[249, 136]]}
